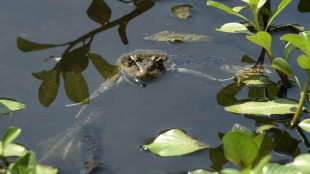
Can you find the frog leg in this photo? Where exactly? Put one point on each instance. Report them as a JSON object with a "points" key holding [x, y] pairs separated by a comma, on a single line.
{"points": [[203, 75]]}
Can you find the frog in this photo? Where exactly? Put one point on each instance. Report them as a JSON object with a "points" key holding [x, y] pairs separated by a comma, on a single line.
{"points": [[136, 67]]}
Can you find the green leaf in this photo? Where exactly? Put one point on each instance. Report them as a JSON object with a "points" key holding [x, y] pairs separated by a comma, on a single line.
{"points": [[302, 163], [202, 171], [273, 168], [262, 39], [26, 46], [174, 142], [273, 107], [99, 11], [262, 163], [290, 48], [46, 170], [299, 41], [76, 87], [28, 161], [230, 171], [184, 37], [305, 125], [282, 65], [234, 28], [8, 105], [9, 136], [13, 150], [227, 9], [281, 6], [304, 62], [240, 149]]}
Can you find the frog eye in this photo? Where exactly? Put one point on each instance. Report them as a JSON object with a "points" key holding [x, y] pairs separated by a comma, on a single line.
{"points": [[157, 59], [131, 59]]}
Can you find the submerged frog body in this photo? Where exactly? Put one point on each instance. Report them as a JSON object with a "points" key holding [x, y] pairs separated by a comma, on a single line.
{"points": [[139, 65]]}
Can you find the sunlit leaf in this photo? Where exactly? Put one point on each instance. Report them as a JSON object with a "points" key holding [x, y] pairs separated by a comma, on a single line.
{"points": [[202, 171], [238, 8], [273, 107], [304, 62], [290, 48], [282, 65], [49, 87], [231, 171], [280, 7], [41, 169], [174, 142], [13, 150], [243, 129], [8, 105], [108, 72], [10, 136], [26, 46], [302, 163], [240, 149], [99, 11], [305, 125], [266, 127], [76, 87], [299, 41], [262, 39], [234, 28], [186, 37], [226, 8], [27, 161], [273, 168], [181, 11], [262, 163]]}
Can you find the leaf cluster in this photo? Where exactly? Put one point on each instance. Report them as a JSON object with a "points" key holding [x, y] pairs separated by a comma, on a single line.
{"points": [[26, 162]]}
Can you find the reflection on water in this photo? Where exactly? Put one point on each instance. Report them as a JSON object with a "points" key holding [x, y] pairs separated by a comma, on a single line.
{"points": [[74, 60]]}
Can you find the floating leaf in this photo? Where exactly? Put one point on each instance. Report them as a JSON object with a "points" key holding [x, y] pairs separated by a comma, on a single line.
{"points": [[99, 11], [273, 107], [186, 37], [41, 169], [26, 46], [262, 39], [234, 28], [305, 125], [8, 105], [257, 80], [240, 149], [302, 163], [174, 142], [13, 150], [299, 41], [181, 11], [282, 65], [202, 171], [9, 136]]}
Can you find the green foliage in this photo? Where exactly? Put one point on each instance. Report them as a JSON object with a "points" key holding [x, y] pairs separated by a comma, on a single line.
{"points": [[305, 125], [174, 142], [26, 163], [8, 105], [273, 107]]}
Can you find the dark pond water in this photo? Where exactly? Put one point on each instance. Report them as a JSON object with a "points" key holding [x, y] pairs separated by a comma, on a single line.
{"points": [[127, 116]]}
